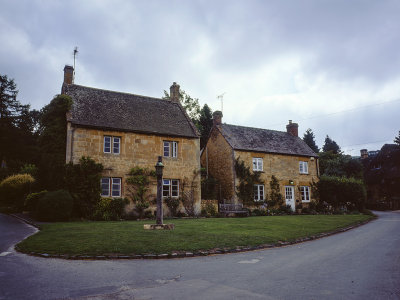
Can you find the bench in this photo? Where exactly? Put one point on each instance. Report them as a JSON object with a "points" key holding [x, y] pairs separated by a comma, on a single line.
{"points": [[232, 209]]}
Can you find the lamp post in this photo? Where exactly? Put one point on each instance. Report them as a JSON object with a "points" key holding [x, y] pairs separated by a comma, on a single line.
{"points": [[159, 172]]}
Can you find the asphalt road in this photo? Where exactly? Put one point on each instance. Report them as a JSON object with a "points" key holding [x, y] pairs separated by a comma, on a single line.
{"points": [[363, 263]]}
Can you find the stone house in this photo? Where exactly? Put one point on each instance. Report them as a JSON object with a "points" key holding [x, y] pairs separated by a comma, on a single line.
{"points": [[270, 152], [122, 131]]}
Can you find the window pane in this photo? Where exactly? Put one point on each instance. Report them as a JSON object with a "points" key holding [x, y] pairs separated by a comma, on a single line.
{"points": [[301, 167], [116, 187], [260, 164], [174, 149], [175, 188], [107, 144], [261, 193], [254, 164], [305, 167], [166, 149], [116, 142], [166, 187], [105, 187]]}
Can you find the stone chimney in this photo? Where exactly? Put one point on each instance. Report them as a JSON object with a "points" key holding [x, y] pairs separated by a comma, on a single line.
{"points": [[217, 117], [174, 92], [68, 74], [292, 128], [364, 153]]}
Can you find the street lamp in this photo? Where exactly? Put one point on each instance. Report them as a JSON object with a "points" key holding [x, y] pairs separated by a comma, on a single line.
{"points": [[159, 172]]}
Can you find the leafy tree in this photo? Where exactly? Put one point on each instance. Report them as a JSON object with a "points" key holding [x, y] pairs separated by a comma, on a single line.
{"points": [[83, 182], [14, 189], [205, 124], [17, 129], [331, 145], [52, 142], [190, 104], [275, 197], [339, 165], [397, 139], [247, 180], [309, 139]]}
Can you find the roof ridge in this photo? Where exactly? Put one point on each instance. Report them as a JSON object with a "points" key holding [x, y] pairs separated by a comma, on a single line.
{"points": [[254, 128], [117, 92]]}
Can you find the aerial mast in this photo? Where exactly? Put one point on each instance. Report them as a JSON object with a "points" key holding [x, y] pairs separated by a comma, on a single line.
{"points": [[75, 54], [221, 97]]}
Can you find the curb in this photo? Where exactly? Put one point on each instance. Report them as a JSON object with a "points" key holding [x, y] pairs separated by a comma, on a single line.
{"points": [[25, 221], [172, 255]]}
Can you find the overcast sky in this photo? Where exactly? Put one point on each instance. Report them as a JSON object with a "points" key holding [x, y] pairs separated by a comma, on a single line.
{"points": [[332, 66]]}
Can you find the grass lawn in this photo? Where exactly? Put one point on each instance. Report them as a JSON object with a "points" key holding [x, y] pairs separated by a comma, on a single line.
{"points": [[129, 237]]}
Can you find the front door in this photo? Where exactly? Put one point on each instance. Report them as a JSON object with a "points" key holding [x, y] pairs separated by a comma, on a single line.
{"points": [[289, 196]]}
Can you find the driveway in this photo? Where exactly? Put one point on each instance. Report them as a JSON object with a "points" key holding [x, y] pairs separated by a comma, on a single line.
{"points": [[363, 263]]}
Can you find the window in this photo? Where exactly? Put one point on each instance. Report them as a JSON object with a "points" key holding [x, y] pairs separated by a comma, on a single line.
{"points": [[258, 192], [257, 164], [170, 188], [112, 143], [305, 193], [111, 186], [170, 149], [303, 167]]}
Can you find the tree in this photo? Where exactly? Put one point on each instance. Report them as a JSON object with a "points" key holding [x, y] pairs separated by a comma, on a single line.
{"points": [[52, 142], [340, 165], [205, 124], [275, 197], [331, 145], [17, 128], [397, 139], [309, 139]]}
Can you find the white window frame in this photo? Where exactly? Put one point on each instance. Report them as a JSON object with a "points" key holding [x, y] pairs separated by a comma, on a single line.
{"points": [[113, 184], [114, 144], [170, 188], [305, 193], [303, 167], [258, 192], [257, 164], [170, 149]]}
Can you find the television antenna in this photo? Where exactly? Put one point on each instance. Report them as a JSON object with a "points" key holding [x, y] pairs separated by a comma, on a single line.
{"points": [[221, 97], [75, 54]]}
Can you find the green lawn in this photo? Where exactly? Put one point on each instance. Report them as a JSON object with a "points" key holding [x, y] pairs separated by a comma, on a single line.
{"points": [[129, 237]]}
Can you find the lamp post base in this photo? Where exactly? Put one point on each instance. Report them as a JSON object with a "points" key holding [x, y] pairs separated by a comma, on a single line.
{"points": [[159, 226]]}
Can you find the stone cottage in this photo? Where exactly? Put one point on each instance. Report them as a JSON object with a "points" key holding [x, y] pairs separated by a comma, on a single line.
{"points": [[270, 152], [122, 131]]}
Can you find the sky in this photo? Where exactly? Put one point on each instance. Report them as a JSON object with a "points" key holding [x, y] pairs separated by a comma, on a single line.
{"points": [[332, 66]]}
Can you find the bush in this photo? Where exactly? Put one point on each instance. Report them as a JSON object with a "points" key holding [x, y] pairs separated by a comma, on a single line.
{"points": [[32, 200], [173, 204], [209, 210], [258, 212], [110, 209], [55, 206], [13, 190]]}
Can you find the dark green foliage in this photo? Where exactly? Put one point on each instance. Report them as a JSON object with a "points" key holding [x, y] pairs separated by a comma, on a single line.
{"points": [[397, 139], [258, 212], [52, 142], [309, 139], [190, 104], [30, 169], [83, 182], [173, 205], [205, 124], [14, 189], [209, 210], [209, 188], [340, 192], [332, 164], [17, 130], [247, 180], [32, 200], [55, 206], [138, 185], [110, 209], [330, 145], [275, 197]]}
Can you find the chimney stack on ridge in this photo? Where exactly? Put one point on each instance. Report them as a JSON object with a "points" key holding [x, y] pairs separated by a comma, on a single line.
{"points": [[292, 128]]}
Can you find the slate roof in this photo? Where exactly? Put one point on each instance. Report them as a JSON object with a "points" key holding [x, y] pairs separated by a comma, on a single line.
{"points": [[127, 112], [264, 140]]}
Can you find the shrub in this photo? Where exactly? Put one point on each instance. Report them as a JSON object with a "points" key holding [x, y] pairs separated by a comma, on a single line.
{"points": [[32, 200], [13, 190], [173, 204], [258, 212], [209, 210], [55, 206], [110, 209], [285, 209], [83, 182]]}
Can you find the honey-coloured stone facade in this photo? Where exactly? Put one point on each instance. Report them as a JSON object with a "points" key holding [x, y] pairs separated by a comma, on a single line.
{"points": [[137, 149]]}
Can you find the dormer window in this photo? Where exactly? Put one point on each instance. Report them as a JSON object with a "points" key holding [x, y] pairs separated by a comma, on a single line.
{"points": [[303, 167]]}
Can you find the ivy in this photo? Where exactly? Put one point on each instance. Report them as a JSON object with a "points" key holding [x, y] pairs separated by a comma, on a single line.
{"points": [[247, 180]]}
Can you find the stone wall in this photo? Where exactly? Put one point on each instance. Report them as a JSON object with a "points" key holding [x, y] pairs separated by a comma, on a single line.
{"points": [[137, 150], [220, 163]]}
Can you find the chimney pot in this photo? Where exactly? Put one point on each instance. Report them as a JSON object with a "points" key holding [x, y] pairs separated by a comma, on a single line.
{"points": [[68, 74], [174, 94], [364, 153], [292, 128], [217, 117]]}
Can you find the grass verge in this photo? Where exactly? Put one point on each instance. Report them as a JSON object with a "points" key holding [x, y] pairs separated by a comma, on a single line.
{"points": [[129, 237]]}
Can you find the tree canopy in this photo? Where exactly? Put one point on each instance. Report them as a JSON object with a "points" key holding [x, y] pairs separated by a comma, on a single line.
{"points": [[309, 139], [331, 145], [397, 139]]}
